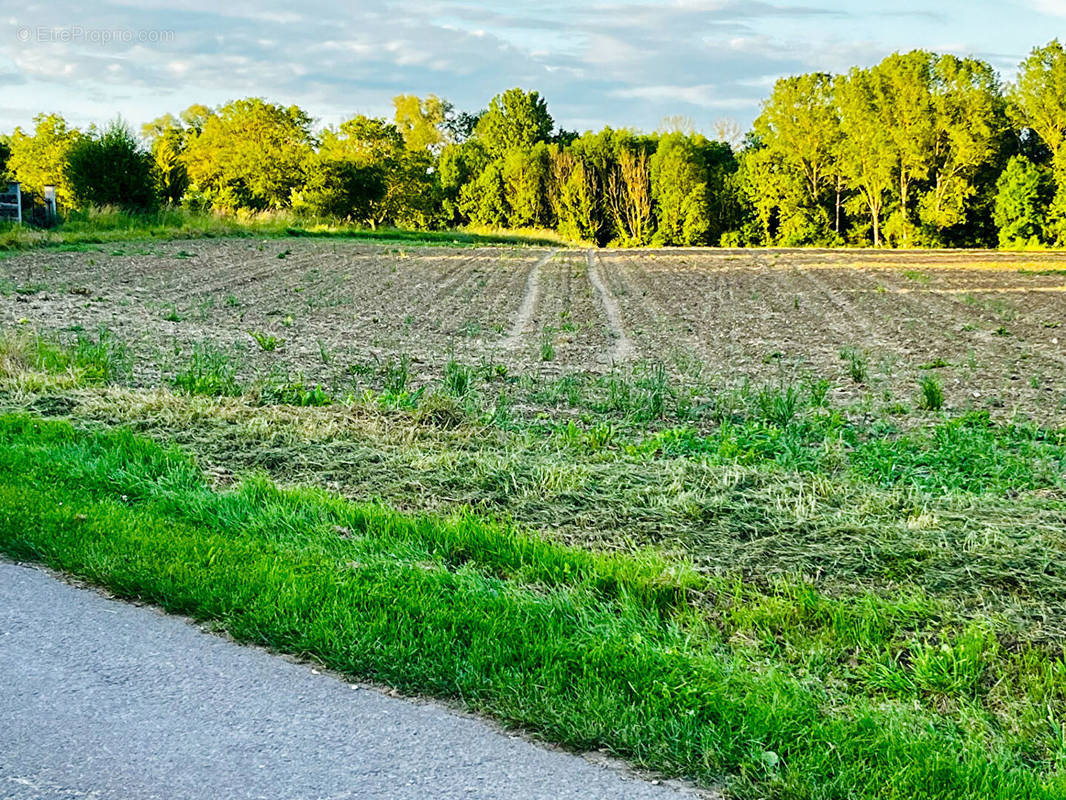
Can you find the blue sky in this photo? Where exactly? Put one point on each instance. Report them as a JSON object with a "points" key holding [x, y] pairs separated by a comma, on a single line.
{"points": [[608, 62]]}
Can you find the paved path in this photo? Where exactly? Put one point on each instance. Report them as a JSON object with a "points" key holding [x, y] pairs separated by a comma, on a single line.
{"points": [[104, 700]]}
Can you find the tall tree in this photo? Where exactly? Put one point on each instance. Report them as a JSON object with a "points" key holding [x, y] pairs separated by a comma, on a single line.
{"points": [[484, 199], [166, 137], [420, 121], [968, 126], [902, 94], [526, 180], [679, 187], [629, 196], [40, 159], [867, 151], [457, 166], [5, 155], [760, 186], [340, 188], [800, 122], [196, 116], [249, 154], [370, 142], [574, 194], [800, 129], [1023, 193], [514, 119], [1038, 102]]}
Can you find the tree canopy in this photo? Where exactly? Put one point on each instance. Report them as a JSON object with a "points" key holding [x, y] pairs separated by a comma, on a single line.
{"points": [[920, 149]]}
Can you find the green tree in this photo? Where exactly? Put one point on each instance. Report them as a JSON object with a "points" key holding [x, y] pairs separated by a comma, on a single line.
{"points": [[40, 159], [901, 86], [575, 196], [166, 137], [249, 154], [460, 125], [196, 116], [721, 167], [458, 165], [1038, 98], [335, 187], [5, 155], [761, 187], [679, 187], [800, 129], [514, 119], [1038, 103], [484, 200], [1023, 193], [111, 169], [526, 178], [867, 155], [630, 197], [420, 121], [410, 191], [620, 207], [968, 126]]}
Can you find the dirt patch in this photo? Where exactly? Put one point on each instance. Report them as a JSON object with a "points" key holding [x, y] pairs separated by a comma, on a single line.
{"points": [[989, 326]]}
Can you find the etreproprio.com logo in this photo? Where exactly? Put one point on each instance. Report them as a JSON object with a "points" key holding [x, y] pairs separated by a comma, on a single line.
{"points": [[76, 34]]}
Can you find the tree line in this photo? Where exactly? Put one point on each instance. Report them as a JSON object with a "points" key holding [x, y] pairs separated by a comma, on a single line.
{"points": [[919, 150]]}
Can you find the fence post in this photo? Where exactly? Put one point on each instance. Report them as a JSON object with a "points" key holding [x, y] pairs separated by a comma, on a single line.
{"points": [[50, 204]]}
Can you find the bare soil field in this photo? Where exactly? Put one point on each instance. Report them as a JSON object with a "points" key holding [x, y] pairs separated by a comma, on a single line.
{"points": [[989, 326]]}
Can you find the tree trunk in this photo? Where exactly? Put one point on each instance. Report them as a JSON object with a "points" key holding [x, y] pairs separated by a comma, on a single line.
{"points": [[903, 201], [837, 224]]}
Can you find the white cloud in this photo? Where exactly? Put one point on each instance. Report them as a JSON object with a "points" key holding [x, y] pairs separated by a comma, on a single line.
{"points": [[1056, 8], [622, 62], [703, 96]]}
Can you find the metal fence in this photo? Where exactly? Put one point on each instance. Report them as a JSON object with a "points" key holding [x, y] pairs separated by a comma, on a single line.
{"points": [[31, 208], [11, 203]]}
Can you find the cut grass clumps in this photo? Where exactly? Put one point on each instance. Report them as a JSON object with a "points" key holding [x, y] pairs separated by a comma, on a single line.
{"points": [[547, 344], [291, 391], [459, 379], [636, 655]]}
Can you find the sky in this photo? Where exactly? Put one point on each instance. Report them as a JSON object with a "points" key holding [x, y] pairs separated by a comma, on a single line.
{"points": [[604, 62]]}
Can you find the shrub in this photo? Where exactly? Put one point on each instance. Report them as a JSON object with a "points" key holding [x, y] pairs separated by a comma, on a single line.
{"points": [[111, 170]]}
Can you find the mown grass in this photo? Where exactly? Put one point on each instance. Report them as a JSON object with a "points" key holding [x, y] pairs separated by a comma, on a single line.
{"points": [[636, 654], [841, 567], [770, 483], [102, 226]]}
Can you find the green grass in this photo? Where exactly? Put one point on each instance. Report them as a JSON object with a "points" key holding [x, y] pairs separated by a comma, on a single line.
{"points": [[81, 360], [857, 365], [932, 394], [267, 342], [210, 371], [695, 676], [86, 229], [903, 570]]}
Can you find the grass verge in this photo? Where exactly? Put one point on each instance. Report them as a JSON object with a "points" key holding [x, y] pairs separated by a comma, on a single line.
{"points": [[588, 650], [99, 226]]}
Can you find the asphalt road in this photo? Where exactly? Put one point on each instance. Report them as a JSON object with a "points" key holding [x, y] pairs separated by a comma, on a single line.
{"points": [[105, 700]]}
